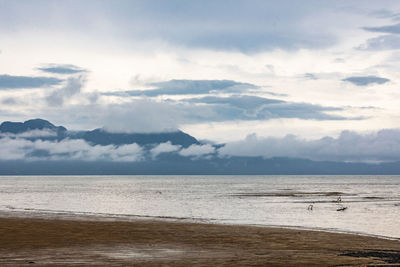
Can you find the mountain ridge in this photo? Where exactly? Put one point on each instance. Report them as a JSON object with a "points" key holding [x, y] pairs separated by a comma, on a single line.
{"points": [[97, 136], [169, 160], [29, 125]]}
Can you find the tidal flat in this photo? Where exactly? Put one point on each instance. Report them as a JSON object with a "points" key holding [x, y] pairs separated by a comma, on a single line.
{"points": [[96, 241]]}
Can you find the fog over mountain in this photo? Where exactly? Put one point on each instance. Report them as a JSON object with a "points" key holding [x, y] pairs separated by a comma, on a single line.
{"points": [[39, 147]]}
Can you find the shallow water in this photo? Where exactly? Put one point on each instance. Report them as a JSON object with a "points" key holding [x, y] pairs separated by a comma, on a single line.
{"points": [[373, 202]]}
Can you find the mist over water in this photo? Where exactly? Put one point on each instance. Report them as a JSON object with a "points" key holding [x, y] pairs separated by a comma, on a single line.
{"points": [[373, 202]]}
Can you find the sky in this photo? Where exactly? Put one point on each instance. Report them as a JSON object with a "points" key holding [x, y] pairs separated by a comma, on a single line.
{"points": [[246, 73]]}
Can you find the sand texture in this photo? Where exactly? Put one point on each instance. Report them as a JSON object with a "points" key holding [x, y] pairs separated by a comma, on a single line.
{"points": [[69, 242]]}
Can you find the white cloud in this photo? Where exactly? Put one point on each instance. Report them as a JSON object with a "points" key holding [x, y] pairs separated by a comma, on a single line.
{"points": [[197, 150], [383, 145], [73, 86], [164, 148], [161, 52], [14, 149], [31, 134], [20, 149], [349, 146]]}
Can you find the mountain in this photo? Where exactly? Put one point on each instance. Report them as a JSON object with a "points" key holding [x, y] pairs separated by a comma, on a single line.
{"points": [[64, 155], [29, 125], [101, 137], [97, 136]]}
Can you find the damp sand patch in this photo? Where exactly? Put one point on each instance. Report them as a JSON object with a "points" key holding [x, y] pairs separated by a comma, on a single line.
{"points": [[387, 256], [372, 197]]}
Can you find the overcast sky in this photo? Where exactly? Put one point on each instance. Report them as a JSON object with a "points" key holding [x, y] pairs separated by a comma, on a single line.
{"points": [[219, 70]]}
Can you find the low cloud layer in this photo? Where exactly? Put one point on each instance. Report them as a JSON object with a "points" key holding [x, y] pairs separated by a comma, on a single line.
{"points": [[23, 149], [197, 151], [25, 82], [366, 80], [30, 134], [381, 146], [163, 148], [349, 146]]}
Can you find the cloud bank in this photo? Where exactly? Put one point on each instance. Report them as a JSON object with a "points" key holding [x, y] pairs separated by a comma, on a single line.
{"points": [[23, 149], [349, 146], [31, 134], [197, 151], [381, 146], [163, 148]]}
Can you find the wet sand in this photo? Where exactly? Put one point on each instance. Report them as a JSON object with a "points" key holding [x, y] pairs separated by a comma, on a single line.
{"points": [[60, 241]]}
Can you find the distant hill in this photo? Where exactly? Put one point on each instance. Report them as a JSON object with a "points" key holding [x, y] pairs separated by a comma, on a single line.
{"points": [[97, 136], [29, 125], [101, 137], [167, 162]]}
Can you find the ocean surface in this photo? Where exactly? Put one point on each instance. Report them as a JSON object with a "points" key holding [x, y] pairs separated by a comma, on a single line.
{"points": [[373, 202]]}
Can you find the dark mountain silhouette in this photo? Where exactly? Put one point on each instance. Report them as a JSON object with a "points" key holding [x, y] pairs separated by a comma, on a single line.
{"points": [[97, 136], [101, 137], [29, 125]]}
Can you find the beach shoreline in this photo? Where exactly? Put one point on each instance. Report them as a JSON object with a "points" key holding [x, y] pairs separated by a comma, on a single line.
{"points": [[75, 240]]}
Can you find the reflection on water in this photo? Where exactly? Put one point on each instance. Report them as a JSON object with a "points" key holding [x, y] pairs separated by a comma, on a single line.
{"points": [[372, 202]]}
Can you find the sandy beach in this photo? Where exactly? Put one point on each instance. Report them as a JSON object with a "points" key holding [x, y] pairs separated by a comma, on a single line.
{"points": [[60, 241]]}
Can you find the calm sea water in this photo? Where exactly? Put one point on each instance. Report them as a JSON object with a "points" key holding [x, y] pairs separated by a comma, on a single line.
{"points": [[373, 202]]}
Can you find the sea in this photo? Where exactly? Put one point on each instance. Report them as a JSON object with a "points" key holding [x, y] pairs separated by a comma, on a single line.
{"points": [[365, 205]]}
